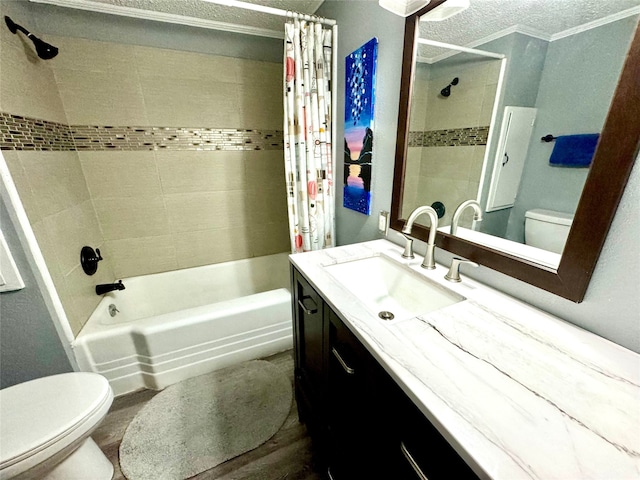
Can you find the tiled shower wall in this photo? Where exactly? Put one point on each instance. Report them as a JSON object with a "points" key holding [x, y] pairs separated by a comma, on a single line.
{"points": [[51, 185], [448, 135], [208, 184]]}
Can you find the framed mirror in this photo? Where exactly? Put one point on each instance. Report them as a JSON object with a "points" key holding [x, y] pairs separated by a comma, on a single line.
{"points": [[542, 60]]}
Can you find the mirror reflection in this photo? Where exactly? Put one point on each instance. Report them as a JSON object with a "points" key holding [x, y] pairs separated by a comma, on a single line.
{"points": [[473, 136]]}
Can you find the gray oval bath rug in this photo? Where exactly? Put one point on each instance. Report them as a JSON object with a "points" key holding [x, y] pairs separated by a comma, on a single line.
{"points": [[199, 423]]}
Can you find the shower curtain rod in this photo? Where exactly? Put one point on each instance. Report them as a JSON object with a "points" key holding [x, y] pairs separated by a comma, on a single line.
{"points": [[272, 11]]}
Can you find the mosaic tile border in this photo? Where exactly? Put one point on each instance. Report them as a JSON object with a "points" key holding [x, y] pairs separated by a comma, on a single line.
{"points": [[25, 133], [455, 137]]}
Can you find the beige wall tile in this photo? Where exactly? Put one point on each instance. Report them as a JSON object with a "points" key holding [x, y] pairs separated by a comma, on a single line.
{"points": [[141, 256], [56, 180], [70, 230], [411, 180], [207, 210], [82, 293], [478, 163], [453, 163], [181, 65], [259, 73], [488, 100], [131, 217], [201, 171], [190, 103], [101, 98], [450, 192], [120, 174], [91, 56], [270, 238], [461, 109], [265, 168], [28, 84], [260, 107], [266, 205], [49, 251], [27, 197], [212, 246]]}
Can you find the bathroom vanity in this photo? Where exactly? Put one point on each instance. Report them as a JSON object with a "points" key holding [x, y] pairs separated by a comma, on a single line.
{"points": [[463, 382]]}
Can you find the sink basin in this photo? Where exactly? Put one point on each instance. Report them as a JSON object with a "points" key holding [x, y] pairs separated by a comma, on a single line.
{"points": [[383, 285]]}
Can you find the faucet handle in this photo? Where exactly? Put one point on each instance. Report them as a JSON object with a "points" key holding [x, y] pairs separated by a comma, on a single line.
{"points": [[408, 247], [453, 275]]}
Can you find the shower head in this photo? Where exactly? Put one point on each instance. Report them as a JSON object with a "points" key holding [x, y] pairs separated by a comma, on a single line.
{"points": [[446, 91], [44, 50]]}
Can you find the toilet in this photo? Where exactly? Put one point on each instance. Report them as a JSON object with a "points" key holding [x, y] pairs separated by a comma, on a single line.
{"points": [[45, 426], [547, 229]]}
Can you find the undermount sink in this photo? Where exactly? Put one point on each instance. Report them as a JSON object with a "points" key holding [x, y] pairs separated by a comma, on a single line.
{"points": [[383, 285]]}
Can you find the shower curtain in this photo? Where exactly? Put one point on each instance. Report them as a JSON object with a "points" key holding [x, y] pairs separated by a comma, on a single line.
{"points": [[307, 135]]}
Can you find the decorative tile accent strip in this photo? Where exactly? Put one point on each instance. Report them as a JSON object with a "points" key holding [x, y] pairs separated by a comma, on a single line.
{"points": [[22, 133], [454, 137]]}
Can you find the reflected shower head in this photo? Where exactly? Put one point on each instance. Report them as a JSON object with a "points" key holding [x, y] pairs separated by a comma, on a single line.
{"points": [[446, 91], [44, 50]]}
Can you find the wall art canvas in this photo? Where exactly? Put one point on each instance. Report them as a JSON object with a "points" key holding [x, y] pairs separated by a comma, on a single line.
{"points": [[358, 126]]}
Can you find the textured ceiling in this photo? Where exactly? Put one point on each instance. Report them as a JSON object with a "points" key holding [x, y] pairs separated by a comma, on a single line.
{"points": [[210, 11], [486, 17], [481, 19]]}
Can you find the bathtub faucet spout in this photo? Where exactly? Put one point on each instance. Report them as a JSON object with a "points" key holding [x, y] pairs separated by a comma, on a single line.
{"points": [[109, 287]]}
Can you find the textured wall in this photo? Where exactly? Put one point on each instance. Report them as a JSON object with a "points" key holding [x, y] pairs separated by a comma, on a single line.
{"points": [[358, 22], [579, 77], [29, 345]]}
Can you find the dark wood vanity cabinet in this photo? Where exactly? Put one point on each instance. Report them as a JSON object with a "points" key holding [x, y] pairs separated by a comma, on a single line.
{"points": [[311, 368], [363, 423]]}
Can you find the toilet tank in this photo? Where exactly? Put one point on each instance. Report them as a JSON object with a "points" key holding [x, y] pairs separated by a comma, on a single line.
{"points": [[547, 229]]}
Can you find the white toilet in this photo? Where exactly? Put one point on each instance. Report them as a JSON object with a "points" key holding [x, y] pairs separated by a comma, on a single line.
{"points": [[547, 229], [45, 426]]}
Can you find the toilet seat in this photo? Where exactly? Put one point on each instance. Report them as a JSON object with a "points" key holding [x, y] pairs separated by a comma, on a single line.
{"points": [[43, 417]]}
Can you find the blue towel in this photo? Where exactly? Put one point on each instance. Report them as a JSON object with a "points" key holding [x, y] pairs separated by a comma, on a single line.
{"points": [[574, 150]]}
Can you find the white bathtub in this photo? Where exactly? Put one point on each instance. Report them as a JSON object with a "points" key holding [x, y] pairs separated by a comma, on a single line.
{"points": [[175, 325]]}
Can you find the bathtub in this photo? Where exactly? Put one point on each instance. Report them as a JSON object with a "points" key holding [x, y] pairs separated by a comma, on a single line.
{"points": [[176, 325]]}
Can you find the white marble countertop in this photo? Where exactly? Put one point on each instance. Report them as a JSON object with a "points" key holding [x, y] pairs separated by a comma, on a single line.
{"points": [[517, 392]]}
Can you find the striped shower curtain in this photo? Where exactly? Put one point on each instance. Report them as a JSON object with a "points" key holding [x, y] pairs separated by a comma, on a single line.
{"points": [[307, 135]]}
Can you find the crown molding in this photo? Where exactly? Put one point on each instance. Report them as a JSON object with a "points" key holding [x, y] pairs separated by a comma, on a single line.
{"points": [[535, 33], [99, 7], [596, 23]]}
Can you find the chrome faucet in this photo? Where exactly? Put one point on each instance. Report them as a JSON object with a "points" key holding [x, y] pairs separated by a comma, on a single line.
{"points": [[458, 213], [453, 275], [429, 261]]}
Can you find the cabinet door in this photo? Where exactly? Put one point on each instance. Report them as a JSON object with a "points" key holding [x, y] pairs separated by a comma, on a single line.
{"points": [[310, 358], [360, 412], [515, 136]]}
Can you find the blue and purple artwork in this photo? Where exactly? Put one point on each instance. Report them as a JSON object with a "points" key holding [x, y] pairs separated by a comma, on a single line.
{"points": [[358, 126]]}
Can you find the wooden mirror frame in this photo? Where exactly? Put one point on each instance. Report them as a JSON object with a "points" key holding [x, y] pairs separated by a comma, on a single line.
{"points": [[608, 175]]}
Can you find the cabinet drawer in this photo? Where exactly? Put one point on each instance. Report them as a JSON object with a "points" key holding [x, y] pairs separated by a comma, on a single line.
{"points": [[425, 452]]}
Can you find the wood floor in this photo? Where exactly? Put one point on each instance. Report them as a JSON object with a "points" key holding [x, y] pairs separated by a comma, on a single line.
{"points": [[287, 455]]}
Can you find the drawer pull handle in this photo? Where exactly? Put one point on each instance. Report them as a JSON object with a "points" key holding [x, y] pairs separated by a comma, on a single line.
{"points": [[307, 310], [346, 367], [412, 462]]}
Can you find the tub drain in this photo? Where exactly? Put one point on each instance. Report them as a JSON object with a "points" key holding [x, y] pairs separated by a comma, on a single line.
{"points": [[386, 315]]}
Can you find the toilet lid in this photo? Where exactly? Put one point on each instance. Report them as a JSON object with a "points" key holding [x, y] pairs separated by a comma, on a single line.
{"points": [[38, 413]]}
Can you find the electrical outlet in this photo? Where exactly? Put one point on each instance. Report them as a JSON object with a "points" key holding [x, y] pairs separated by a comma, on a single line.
{"points": [[383, 222]]}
